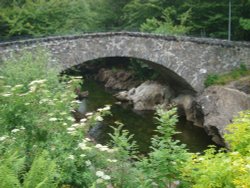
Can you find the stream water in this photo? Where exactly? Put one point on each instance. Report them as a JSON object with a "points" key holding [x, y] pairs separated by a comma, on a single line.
{"points": [[140, 123]]}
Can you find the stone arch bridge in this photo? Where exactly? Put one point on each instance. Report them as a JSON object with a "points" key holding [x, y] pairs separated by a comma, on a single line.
{"points": [[188, 60]]}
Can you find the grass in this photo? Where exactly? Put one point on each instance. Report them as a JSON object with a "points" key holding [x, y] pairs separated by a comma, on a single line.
{"points": [[215, 79]]}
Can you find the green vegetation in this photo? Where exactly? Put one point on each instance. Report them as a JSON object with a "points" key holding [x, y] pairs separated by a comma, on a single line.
{"points": [[191, 17], [42, 145], [224, 168], [215, 79]]}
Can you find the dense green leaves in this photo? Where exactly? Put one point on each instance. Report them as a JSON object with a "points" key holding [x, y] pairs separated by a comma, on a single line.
{"points": [[191, 17], [37, 18], [224, 168]]}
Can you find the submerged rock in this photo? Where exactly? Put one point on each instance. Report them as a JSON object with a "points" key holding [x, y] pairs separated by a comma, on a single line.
{"points": [[219, 105], [147, 95]]}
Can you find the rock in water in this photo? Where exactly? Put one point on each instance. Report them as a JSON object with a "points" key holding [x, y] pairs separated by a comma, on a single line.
{"points": [[219, 105], [147, 96]]}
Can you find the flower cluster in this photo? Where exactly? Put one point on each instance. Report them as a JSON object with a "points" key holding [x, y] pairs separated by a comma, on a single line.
{"points": [[104, 148], [83, 145], [101, 176]]}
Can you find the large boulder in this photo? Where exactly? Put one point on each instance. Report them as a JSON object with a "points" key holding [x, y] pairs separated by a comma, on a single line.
{"points": [[147, 96], [219, 105]]}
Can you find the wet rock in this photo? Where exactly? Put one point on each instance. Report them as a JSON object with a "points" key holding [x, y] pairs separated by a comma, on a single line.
{"points": [[186, 104], [147, 96], [219, 105]]}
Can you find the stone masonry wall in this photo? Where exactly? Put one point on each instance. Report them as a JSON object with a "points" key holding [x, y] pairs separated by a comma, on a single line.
{"points": [[188, 59]]}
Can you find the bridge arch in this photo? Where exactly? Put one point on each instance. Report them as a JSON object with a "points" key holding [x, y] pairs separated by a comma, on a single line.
{"points": [[179, 84], [188, 58]]}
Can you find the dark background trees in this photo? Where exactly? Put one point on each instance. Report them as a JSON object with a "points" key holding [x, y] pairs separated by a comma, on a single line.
{"points": [[207, 18]]}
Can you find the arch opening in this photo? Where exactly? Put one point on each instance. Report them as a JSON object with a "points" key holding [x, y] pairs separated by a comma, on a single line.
{"points": [[143, 69]]}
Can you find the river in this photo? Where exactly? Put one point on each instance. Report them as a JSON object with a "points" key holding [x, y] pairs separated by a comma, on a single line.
{"points": [[140, 123]]}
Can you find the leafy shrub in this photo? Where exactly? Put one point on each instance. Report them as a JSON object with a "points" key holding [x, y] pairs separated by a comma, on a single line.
{"points": [[239, 136], [223, 168], [43, 173], [162, 167]]}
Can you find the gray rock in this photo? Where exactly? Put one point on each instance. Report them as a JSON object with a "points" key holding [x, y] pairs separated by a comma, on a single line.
{"points": [[219, 105], [242, 84], [147, 96], [185, 103]]}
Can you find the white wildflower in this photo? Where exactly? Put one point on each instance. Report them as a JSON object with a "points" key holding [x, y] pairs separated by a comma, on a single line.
{"points": [[83, 146], [32, 89], [75, 125], [63, 113], [87, 139], [235, 153], [22, 128], [83, 120], [99, 173], [89, 114], [101, 147], [2, 138], [98, 146], [112, 150], [76, 102], [99, 110], [53, 119], [99, 118], [112, 160], [82, 155], [15, 130], [6, 94], [88, 163], [65, 124], [106, 177], [76, 77], [107, 107], [71, 129], [70, 119], [27, 104], [72, 157], [72, 133], [18, 86], [37, 82]]}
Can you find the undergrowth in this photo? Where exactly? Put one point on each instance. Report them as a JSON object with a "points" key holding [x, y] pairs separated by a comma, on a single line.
{"points": [[222, 79]]}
